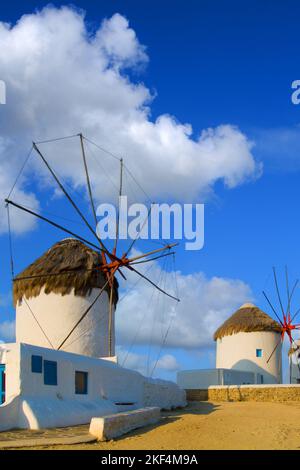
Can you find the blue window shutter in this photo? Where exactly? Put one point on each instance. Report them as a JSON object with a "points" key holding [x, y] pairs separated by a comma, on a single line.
{"points": [[259, 353], [50, 373], [36, 364]]}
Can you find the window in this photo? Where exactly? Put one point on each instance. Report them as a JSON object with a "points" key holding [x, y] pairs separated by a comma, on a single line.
{"points": [[259, 353], [81, 382], [50, 373], [261, 379], [2, 383], [36, 364]]}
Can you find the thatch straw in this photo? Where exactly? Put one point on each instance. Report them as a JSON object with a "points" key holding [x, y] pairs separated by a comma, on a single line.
{"points": [[246, 319], [67, 255]]}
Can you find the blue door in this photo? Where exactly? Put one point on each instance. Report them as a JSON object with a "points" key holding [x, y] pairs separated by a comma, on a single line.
{"points": [[2, 383]]}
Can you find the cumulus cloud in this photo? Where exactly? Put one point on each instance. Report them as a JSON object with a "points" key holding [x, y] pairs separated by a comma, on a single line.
{"points": [[145, 365], [154, 319], [132, 360], [62, 79], [7, 331], [168, 362]]}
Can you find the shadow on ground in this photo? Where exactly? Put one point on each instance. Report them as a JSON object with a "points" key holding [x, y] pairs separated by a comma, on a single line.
{"points": [[195, 408]]}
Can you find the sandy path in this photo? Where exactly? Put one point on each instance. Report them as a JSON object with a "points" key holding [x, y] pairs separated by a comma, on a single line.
{"points": [[239, 425]]}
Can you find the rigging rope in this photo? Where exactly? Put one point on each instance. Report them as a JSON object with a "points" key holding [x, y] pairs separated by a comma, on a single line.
{"points": [[40, 326], [56, 139], [20, 172], [138, 184], [155, 310], [140, 324], [101, 166], [103, 149], [171, 320]]}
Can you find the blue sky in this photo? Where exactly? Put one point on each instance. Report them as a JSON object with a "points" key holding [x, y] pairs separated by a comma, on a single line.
{"points": [[209, 64]]}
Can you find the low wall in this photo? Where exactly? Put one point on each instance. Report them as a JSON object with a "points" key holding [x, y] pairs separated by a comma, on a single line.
{"points": [[164, 394], [268, 393]]}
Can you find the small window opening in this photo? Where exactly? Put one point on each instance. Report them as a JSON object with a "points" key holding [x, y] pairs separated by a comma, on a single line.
{"points": [[259, 353], [81, 382]]}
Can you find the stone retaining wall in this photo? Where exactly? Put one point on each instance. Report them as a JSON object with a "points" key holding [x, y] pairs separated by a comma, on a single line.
{"points": [[274, 393]]}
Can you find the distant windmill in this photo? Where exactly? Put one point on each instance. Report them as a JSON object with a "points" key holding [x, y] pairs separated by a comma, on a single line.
{"points": [[285, 316]]}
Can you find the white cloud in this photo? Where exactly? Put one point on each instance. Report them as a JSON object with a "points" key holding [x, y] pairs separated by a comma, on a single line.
{"points": [[120, 42], [132, 360], [147, 316], [147, 365], [7, 331], [61, 80], [168, 362]]}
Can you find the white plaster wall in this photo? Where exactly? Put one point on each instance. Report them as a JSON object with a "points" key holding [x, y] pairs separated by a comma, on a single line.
{"points": [[238, 351], [106, 380], [195, 379], [164, 394], [58, 314], [204, 378], [32, 404], [10, 356]]}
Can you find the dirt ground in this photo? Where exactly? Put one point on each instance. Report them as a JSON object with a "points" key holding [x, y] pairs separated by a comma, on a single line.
{"points": [[204, 425]]}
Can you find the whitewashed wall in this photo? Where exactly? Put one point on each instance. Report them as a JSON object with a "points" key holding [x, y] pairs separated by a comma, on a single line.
{"points": [[58, 314], [32, 404], [294, 364], [204, 378]]}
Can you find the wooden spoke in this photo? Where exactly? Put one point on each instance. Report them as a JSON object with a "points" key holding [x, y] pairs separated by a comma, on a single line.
{"points": [[278, 294], [137, 237], [287, 290], [153, 284], [272, 308], [167, 247], [118, 215], [49, 221], [152, 259], [110, 319], [88, 181], [69, 198]]}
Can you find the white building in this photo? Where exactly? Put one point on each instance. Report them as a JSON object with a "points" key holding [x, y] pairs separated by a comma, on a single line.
{"points": [[244, 352], [294, 362], [41, 386]]}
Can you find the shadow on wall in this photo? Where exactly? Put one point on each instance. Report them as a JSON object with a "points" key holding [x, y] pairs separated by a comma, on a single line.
{"points": [[249, 366]]}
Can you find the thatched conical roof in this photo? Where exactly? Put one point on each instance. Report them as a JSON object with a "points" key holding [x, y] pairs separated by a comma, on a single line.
{"points": [[246, 319], [68, 256]]}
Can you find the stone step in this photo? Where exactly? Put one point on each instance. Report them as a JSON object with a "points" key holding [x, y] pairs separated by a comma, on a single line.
{"points": [[112, 426]]}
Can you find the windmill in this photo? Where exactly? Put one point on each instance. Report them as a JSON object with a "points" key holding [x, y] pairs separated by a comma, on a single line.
{"points": [[112, 263], [285, 315]]}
